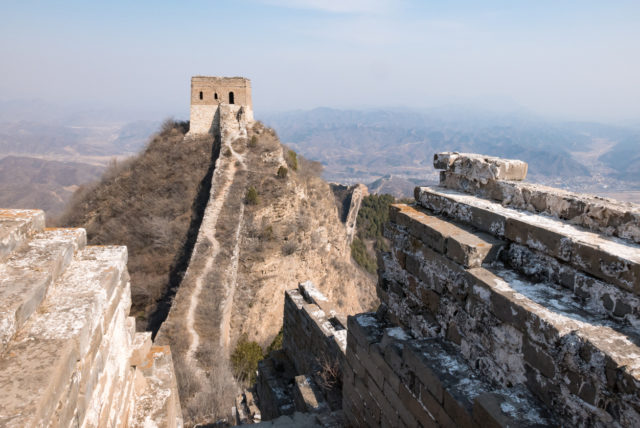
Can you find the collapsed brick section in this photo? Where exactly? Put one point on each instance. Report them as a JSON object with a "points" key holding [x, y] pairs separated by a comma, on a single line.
{"points": [[495, 316], [306, 375]]}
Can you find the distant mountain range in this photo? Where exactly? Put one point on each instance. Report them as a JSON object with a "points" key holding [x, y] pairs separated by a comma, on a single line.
{"points": [[39, 138], [27, 182], [364, 145]]}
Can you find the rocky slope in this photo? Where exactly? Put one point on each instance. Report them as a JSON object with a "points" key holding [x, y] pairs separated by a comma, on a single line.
{"points": [[262, 231], [227, 256]]}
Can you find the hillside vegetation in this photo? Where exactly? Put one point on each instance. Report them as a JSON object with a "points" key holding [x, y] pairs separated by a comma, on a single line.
{"points": [[373, 214], [276, 224], [148, 204]]}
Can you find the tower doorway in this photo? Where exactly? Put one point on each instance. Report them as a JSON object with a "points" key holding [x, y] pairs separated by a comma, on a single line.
{"points": [[231, 100]]}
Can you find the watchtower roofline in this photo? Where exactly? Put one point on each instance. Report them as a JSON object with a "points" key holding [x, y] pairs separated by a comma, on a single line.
{"points": [[214, 90]]}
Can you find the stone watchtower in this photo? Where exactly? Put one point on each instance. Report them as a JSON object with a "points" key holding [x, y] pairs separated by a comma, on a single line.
{"points": [[209, 92]]}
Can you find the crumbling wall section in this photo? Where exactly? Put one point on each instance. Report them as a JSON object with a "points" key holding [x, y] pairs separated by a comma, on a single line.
{"points": [[498, 313], [69, 352], [305, 375], [313, 333]]}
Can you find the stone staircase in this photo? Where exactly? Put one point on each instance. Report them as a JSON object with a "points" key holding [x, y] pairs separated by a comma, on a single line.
{"points": [[69, 353], [507, 316]]}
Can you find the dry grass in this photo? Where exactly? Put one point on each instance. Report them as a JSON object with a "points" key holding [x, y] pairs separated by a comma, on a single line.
{"points": [[209, 399], [147, 204]]}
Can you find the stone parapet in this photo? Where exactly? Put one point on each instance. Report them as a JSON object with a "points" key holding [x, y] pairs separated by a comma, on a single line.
{"points": [[608, 259], [598, 214], [305, 375], [70, 354], [500, 317], [393, 379], [311, 334]]}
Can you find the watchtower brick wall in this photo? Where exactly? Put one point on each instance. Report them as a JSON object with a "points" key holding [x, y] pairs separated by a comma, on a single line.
{"points": [[209, 92]]}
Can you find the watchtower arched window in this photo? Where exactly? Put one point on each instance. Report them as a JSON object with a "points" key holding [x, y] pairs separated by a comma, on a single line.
{"points": [[215, 96], [200, 94], [231, 101]]}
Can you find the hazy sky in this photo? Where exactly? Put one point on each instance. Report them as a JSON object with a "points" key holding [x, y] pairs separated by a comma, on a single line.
{"points": [[576, 59]]}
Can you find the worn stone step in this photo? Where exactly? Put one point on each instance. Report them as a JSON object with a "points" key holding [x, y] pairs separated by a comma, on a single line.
{"points": [[455, 396], [27, 274], [610, 259], [460, 244], [596, 213], [44, 354], [16, 227]]}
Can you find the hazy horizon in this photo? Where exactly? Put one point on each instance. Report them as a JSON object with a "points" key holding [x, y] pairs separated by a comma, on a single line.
{"points": [[573, 61]]}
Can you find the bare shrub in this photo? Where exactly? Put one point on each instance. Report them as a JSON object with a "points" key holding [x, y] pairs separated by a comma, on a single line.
{"points": [[329, 375], [289, 248], [213, 399], [251, 197], [253, 142], [282, 172]]}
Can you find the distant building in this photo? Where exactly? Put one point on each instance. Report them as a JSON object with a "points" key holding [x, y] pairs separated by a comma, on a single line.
{"points": [[209, 92]]}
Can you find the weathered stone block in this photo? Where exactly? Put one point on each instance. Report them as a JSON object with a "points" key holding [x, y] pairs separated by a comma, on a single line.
{"points": [[16, 227], [365, 329], [539, 359], [512, 409], [481, 168], [307, 395], [141, 346], [435, 409], [27, 274], [444, 160]]}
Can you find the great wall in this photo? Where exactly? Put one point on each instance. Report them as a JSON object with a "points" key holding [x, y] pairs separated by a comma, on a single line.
{"points": [[70, 354], [503, 303]]}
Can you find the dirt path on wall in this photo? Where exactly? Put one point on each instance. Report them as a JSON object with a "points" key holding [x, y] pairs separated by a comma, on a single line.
{"points": [[208, 228], [227, 305]]}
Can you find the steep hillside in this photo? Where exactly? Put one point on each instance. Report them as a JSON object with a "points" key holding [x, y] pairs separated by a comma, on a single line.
{"points": [[150, 204], [217, 229], [270, 222]]}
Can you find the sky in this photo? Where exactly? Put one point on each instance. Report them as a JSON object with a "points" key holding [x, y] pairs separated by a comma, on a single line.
{"points": [[565, 59]]}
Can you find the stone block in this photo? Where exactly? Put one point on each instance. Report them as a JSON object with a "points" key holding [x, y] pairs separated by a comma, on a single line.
{"points": [[482, 168], [414, 406], [538, 358], [365, 328], [307, 396], [27, 274], [444, 160], [141, 346], [33, 376], [16, 227], [459, 244], [404, 415], [435, 409], [510, 409]]}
